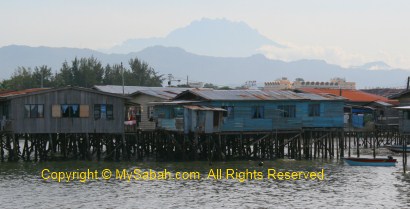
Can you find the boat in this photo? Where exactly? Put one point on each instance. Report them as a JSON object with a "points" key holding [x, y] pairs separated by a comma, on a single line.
{"points": [[398, 148], [389, 161]]}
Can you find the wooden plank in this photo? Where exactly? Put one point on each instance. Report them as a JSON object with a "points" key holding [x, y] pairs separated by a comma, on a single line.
{"points": [[56, 111], [84, 111]]}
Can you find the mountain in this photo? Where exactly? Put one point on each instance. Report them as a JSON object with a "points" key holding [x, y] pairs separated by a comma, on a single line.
{"points": [[14, 56], [214, 37], [237, 70], [378, 65], [217, 70]]}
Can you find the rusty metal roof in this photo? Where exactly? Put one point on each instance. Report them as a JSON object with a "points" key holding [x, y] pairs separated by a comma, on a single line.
{"points": [[231, 95], [25, 92], [174, 102], [162, 92], [20, 92], [351, 95], [205, 108], [166, 93]]}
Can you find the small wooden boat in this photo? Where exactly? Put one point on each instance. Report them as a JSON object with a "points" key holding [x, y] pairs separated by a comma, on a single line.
{"points": [[398, 148], [389, 161]]}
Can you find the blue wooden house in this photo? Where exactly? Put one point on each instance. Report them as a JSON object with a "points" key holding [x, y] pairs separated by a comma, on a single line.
{"points": [[213, 111]]}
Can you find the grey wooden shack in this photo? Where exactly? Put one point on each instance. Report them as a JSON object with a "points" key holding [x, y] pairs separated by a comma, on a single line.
{"points": [[63, 110], [144, 96]]}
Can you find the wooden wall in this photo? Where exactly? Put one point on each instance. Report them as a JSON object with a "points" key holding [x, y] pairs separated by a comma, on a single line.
{"points": [[144, 101], [331, 116], [50, 124], [404, 121]]}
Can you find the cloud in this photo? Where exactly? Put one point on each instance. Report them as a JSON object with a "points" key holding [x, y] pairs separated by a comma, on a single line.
{"points": [[333, 55]]}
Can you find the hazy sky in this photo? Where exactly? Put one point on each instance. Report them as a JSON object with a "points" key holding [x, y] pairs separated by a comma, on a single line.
{"points": [[345, 32]]}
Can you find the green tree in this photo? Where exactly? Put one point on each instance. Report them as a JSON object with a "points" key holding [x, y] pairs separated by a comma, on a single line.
{"points": [[84, 72], [210, 85], [42, 77], [20, 79], [143, 75]]}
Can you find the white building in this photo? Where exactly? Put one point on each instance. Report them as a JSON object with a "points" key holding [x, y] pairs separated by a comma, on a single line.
{"points": [[284, 83]]}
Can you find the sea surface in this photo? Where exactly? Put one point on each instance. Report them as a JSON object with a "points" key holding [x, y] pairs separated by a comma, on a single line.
{"points": [[22, 186]]}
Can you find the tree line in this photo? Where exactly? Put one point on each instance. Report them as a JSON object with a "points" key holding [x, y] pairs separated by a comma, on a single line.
{"points": [[84, 72]]}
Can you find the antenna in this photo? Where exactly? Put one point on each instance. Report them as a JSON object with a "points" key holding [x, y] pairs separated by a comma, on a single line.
{"points": [[171, 78]]}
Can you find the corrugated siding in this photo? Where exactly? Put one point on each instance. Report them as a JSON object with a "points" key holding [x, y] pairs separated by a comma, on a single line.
{"points": [[144, 101], [50, 124], [331, 116]]}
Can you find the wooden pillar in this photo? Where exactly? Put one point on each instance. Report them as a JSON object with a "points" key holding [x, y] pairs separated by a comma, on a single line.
{"points": [[350, 138], [342, 137], [404, 141], [124, 147], [1, 148], [51, 145], [35, 147], [26, 151], [357, 145], [326, 144]]}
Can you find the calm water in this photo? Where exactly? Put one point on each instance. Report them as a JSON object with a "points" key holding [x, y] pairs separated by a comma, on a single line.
{"points": [[21, 186]]}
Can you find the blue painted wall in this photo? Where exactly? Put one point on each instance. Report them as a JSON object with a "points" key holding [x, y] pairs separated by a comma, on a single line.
{"points": [[331, 115]]}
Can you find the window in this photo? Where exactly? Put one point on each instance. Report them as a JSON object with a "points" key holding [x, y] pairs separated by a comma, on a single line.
{"points": [[287, 111], [70, 111], [150, 113], [103, 111], [216, 118], [406, 115], [258, 112], [110, 112], [34, 111], [229, 111], [314, 110], [178, 112]]}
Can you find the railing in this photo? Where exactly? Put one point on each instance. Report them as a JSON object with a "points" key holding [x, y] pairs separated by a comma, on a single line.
{"points": [[131, 126], [5, 125]]}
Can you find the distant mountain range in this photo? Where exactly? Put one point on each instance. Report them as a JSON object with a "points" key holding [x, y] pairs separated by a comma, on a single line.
{"points": [[214, 37], [379, 65], [218, 70], [217, 51]]}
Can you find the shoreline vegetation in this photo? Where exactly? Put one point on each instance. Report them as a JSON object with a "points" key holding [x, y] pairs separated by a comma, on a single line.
{"points": [[84, 72]]}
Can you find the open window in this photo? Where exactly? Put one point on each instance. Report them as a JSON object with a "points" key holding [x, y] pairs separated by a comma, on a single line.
{"points": [[258, 112], [229, 113], [103, 111], [287, 111], [34, 111], [70, 110], [314, 110]]}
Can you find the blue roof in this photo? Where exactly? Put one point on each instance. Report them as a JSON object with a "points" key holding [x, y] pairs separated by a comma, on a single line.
{"points": [[230, 95]]}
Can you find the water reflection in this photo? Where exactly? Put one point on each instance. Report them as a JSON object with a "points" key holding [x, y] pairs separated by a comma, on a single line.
{"points": [[344, 187]]}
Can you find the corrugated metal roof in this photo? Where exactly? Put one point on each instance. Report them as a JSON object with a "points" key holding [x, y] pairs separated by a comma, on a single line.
{"points": [[206, 108], [117, 89], [20, 92], [352, 95], [166, 93], [25, 92], [383, 103], [174, 102], [403, 107], [231, 95]]}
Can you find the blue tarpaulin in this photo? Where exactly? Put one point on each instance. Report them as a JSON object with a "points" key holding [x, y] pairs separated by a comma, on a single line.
{"points": [[358, 121]]}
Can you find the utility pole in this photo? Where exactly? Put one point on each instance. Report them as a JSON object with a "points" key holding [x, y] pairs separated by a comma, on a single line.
{"points": [[122, 75], [408, 83], [187, 84], [171, 78], [42, 78]]}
